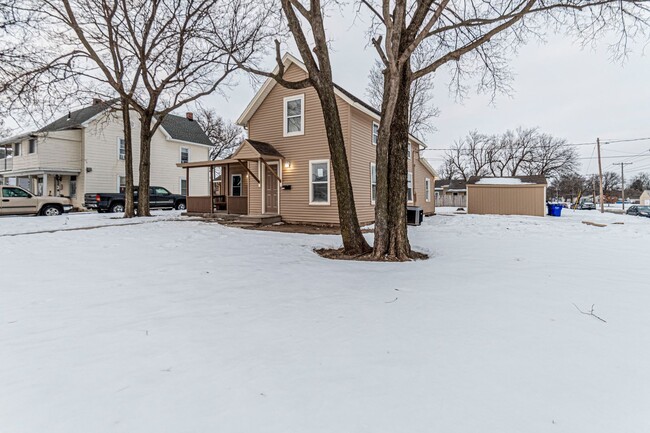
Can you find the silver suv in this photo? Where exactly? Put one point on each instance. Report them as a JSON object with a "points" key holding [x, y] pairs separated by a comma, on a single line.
{"points": [[16, 201]]}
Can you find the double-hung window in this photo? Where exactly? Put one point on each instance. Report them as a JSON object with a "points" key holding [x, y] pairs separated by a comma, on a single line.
{"points": [[121, 184], [235, 185], [373, 183], [375, 133], [185, 155], [427, 189], [33, 144], [409, 188], [409, 151], [17, 149], [294, 115], [121, 149], [319, 182], [183, 186]]}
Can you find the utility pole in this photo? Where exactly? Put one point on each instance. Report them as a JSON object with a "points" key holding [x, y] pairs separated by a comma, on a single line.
{"points": [[623, 164], [600, 178], [593, 188]]}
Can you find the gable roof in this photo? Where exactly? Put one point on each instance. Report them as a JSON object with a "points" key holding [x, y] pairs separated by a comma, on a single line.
{"points": [[176, 127], [535, 180], [289, 59]]}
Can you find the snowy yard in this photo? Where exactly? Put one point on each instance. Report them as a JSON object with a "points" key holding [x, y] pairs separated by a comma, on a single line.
{"points": [[181, 326]]}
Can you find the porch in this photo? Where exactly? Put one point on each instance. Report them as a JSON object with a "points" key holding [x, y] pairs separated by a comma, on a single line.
{"points": [[252, 171]]}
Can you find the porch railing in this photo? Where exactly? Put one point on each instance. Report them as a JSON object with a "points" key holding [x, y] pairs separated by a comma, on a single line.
{"points": [[205, 204]]}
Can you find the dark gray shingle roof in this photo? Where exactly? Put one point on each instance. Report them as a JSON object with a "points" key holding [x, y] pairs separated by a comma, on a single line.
{"points": [[264, 148], [178, 127]]}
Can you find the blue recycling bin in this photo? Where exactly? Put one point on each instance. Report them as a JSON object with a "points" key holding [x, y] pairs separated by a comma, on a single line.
{"points": [[557, 210]]}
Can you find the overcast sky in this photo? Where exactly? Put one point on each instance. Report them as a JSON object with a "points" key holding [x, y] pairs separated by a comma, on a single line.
{"points": [[578, 94]]}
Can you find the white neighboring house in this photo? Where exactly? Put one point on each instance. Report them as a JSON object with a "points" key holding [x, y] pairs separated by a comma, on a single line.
{"points": [[83, 152]]}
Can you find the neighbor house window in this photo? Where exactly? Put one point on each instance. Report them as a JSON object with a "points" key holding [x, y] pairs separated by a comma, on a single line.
{"points": [[121, 149], [183, 186], [185, 155], [427, 189], [294, 114], [375, 133], [73, 186], [121, 184], [32, 145], [17, 149], [319, 182], [409, 151], [409, 187], [373, 183], [235, 185]]}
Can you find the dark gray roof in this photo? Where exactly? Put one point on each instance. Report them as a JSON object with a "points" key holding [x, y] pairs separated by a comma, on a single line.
{"points": [[75, 119], [452, 184], [178, 127], [264, 148], [358, 100], [538, 180]]}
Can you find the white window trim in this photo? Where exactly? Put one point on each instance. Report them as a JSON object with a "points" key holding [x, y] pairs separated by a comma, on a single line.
{"points": [[427, 189], [329, 182], [409, 176], [118, 182], [409, 151], [285, 133], [119, 141], [373, 165], [180, 154], [180, 185], [372, 133], [241, 185]]}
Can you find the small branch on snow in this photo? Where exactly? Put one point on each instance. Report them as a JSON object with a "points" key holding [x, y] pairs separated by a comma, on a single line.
{"points": [[390, 302], [590, 313]]}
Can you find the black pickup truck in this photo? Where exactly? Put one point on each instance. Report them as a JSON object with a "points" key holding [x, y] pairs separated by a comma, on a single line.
{"points": [[159, 198]]}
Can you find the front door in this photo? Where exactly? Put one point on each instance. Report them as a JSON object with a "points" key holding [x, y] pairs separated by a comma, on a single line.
{"points": [[271, 189]]}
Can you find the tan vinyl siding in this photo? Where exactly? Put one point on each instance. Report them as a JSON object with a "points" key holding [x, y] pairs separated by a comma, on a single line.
{"points": [[363, 154], [420, 174], [506, 199], [54, 150], [254, 191], [267, 125]]}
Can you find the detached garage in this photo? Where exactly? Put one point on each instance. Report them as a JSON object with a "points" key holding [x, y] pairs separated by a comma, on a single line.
{"points": [[518, 195]]}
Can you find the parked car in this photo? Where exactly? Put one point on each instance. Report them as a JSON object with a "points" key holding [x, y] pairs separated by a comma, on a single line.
{"points": [[643, 211], [587, 205], [159, 198], [18, 201]]}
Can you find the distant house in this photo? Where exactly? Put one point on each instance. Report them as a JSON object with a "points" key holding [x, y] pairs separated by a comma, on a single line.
{"points": [[83, 151], [283, 170], [644, 200], [517, 195], [451, 193]]}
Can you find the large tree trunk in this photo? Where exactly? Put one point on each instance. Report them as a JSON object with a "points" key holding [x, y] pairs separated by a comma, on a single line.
{"points": [[145, 164], [391, 234], [129, 211], [353, 241]]}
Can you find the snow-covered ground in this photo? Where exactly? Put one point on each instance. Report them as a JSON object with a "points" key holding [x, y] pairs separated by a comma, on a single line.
{"points": [[184, 326]]}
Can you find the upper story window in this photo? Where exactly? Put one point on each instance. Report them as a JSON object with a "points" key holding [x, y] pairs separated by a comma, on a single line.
{"points": [[409, 151], [121, 149], [185, 155], [409, 188], [17, 149], [319, 182], [294, 115], [375, 133], [33, 144], [373, 183]]}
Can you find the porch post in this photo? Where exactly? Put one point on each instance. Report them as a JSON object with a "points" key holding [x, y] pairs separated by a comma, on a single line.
{"points": [[45, 190], [211, 180]]}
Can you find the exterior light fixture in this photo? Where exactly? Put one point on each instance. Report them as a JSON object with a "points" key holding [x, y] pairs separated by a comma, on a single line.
{"points": [[287, 164]]}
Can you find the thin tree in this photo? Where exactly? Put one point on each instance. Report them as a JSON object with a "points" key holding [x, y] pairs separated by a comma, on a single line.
{"points": [[315, 56], [224, 135]]}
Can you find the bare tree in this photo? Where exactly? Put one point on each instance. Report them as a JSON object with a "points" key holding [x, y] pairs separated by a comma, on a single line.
{"points": [[224, 135], [156, 55], [421, 110], [307, 28], [475, 39]]}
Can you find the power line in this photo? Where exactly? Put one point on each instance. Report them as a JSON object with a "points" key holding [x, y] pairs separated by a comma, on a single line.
{"points": [[611, 141]]}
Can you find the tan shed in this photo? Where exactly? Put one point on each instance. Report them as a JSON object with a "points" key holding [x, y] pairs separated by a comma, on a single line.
{"points": [[518, 195], [644, 200]]}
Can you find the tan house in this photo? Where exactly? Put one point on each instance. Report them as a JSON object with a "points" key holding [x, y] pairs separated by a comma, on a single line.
{"points": [[517, 195], [644, 200], [284, 169], [83, 152]]}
